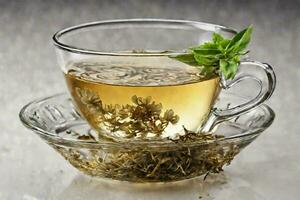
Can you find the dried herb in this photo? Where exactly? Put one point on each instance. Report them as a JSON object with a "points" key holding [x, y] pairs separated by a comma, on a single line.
{"points": [[139, 119], [191, 136], [152, 164]]}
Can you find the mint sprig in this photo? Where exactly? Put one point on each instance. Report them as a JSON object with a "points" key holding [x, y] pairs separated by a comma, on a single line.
{"points": [[220, 55]]}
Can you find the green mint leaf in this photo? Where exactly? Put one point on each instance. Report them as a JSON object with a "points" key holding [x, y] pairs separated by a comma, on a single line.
{"points": [[240, 41], [224, 68], [186, 58], [223, 44], [208, 70], [233, 68], [228, 68], [206, 45], [236, 58], [217, 38], [220, 55], [207, 51], [205, 61]]}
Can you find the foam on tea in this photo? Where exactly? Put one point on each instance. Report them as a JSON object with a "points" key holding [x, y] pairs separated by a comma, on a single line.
{"points": [[141, 99]]}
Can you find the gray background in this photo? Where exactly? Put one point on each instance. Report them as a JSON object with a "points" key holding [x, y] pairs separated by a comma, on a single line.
{"points": [[30, 169]]}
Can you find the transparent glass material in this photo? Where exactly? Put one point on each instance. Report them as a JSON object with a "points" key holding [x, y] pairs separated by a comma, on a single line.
{"points": [[151, 42], [56, 121]]}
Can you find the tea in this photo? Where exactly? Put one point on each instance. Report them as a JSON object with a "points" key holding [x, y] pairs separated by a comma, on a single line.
{"points": [[141, 100]]}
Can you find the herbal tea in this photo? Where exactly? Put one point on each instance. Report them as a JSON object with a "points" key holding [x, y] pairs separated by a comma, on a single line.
{"points": [[139, 101]]}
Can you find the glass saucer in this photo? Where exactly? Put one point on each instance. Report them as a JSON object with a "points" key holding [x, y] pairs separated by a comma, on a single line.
{"points": [[56, 121]]}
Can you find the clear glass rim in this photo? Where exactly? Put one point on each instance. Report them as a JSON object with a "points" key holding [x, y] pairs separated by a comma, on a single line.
{"points": [[50, 137], [73, 49]]}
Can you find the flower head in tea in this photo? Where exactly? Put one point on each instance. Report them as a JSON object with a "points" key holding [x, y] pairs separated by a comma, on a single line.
{"points": [[92, 101], [220, 55], [139, 119]]}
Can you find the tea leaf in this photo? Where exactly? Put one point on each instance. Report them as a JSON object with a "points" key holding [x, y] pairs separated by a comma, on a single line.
{"points": [[222, 55], [240, 41], [217, 38], [186, 58]]}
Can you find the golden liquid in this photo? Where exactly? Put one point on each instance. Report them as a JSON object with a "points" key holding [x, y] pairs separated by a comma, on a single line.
{"points": [[181, 89]]}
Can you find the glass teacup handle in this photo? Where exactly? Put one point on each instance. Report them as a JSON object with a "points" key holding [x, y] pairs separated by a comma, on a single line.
{"points": [[264, 77]]}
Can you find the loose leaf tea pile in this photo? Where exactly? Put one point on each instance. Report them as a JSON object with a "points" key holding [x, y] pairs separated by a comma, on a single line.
{"points": [[154, 164]]}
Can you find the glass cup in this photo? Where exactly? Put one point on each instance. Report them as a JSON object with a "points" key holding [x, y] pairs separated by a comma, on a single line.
{"points": [[125, 83]]}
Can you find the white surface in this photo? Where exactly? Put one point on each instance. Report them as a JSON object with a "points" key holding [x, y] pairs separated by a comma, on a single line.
{"points": [[29, 169]]}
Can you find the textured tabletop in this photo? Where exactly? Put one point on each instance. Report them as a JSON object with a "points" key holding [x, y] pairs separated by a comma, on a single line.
{"points": [[29, 169]]}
